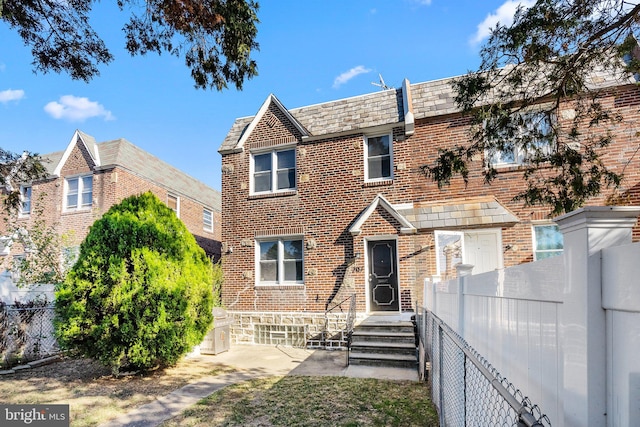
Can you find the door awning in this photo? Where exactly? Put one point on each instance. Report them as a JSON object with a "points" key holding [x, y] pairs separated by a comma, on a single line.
{"points": [[458, 213]]}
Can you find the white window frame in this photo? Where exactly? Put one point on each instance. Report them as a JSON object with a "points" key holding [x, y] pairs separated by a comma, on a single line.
{"points": [[534, 243], [177, 198], [273, 171], [205, 226], [24, 200], [280, 281], [520, 156], [367, 178], [81, 191]]}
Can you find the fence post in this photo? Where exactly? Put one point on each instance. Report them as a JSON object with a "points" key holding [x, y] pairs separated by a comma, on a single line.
{"points": [[586, 232], [462, 271]]}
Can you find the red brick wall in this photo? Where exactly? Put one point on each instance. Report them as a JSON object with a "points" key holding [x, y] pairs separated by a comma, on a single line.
{"points": [[331, 194], [110, 187]]}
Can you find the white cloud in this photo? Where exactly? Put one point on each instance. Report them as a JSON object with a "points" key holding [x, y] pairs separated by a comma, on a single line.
{"points": [[76, 109], [11, 95], [503, 15], [348, 75]]}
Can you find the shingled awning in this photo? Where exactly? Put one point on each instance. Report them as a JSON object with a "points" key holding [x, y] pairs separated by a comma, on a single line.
{"points": [[459, 213]]}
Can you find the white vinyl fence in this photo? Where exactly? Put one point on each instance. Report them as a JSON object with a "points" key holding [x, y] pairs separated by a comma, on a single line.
{"points": [[565, 331]]}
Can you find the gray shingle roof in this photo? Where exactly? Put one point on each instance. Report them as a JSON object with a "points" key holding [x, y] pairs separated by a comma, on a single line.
{"points": [[124, 154], [354, 114], [459, 213]]}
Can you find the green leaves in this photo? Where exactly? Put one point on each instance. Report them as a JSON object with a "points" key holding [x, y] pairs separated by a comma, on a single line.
{"points": [[142, 289], [216, 37], [558, 60]]}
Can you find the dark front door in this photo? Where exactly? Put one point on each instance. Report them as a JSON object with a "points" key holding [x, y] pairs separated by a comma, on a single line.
{"points": [[383, 276]]}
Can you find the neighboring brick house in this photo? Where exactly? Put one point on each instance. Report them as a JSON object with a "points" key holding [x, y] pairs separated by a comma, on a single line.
{"points": [[87, 178], [328, 200]]}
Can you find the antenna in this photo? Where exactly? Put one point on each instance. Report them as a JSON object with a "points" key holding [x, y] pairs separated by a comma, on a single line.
{"points": [[382, 85]]}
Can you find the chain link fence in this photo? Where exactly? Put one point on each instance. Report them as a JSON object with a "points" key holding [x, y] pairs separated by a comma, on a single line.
{"points": [[26, 333], [465, 388]]}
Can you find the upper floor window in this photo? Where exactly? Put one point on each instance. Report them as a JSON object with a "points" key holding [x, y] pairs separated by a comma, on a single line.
{"points": [[79, 192], [280, 261], [173, 202], [547, 241], [207, 219], [25, 200], [528, 135], [274, 171], [378, 157]]}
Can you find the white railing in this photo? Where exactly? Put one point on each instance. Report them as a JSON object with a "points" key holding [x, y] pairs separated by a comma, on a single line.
{"points": [[565, 330]]}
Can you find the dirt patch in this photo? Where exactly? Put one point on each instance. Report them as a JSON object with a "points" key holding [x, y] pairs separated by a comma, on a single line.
{"points": [[93, 394]]}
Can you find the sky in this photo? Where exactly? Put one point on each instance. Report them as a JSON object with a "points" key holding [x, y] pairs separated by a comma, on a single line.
{"points": [[311, 51]]}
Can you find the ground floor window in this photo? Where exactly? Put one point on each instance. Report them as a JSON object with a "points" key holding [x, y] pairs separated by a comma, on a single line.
{"points": [[547, 241], [280, 261]]}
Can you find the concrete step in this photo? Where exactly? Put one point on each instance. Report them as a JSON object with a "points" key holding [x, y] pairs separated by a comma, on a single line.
{"points": [[388, 326], [383, 336], [383, 347], [383, 360]]}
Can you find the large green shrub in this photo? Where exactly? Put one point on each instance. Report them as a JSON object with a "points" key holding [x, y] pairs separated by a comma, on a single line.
{"points": [[141, 293]]}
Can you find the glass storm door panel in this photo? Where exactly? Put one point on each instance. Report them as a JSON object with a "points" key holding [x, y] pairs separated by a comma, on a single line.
{"points": [[383, 276]]}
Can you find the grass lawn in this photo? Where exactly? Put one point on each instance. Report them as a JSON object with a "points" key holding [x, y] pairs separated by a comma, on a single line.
{"points": [[96, 397], [314, 401]]}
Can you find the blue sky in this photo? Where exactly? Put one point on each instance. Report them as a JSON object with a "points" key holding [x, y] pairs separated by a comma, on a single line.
{"points": [[311, 51]]}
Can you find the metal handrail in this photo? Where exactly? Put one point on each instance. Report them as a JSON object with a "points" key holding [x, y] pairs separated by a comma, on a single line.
{"points": [[350, 320]]}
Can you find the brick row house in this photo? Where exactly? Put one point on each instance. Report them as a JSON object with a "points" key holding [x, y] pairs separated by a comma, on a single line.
{"points": [[326, 201], [87, 178]]}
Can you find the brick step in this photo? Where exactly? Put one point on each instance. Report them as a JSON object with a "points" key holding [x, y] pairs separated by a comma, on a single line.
{"points": [[383, 360], [376, 347]]}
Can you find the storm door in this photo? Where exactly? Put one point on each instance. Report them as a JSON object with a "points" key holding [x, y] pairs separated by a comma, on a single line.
{"points": [[384, 294]]}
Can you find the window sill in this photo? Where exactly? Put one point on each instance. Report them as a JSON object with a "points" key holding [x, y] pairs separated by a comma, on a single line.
{"points": [[292, 286], [271, 195], [380, 183], [76, 211]]}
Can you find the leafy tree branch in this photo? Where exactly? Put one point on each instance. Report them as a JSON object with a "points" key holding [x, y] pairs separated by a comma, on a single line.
{"points": [[215, 37], [542, 90]]}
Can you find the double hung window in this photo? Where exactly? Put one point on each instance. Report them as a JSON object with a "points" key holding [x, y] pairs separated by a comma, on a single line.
{"points": [[528, 135], [378, 158], [78, 192], [207, 219], [280, 261], [274, 171], [173, 202]]}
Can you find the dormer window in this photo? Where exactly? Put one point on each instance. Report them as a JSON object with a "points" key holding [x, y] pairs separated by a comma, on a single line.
{"points": [[273, 171]]}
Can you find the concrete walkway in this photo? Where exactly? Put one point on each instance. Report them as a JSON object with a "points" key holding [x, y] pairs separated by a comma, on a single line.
{"points": [[254, 361]]}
